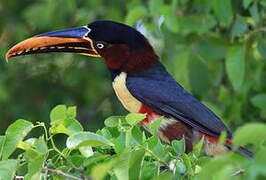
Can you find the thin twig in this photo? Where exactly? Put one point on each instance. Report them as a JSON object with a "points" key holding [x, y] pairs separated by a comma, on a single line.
{"points": [[61, 173], [238, 172], [156, 157]]}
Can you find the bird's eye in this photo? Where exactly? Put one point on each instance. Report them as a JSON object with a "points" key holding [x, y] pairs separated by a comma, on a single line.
{"points": [[100, 45]]}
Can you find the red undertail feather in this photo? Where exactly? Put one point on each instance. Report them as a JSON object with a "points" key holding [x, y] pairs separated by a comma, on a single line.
{"points": [[150, 114], [229, 145], [215, 139]]}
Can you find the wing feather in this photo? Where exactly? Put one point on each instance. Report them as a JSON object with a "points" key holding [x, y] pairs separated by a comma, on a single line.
{"points": [[159, 91]]}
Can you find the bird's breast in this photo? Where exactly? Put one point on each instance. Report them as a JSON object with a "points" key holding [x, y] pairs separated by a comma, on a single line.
{"points": [[129, 102]]}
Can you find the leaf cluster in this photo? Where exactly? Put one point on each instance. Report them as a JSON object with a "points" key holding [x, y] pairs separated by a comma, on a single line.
{"points": [[119, 151]]}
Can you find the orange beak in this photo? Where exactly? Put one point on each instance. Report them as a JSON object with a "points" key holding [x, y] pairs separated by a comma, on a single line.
{"points": [[70, 40]]}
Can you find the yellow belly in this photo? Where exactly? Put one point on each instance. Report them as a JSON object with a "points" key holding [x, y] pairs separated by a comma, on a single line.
{"points": [[128, 101]]}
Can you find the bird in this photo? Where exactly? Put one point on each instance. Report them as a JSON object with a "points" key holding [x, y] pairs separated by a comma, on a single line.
{"points": [[140, 81]]}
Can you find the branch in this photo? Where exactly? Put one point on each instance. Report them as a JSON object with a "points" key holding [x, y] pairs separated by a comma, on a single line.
{"points": [[61, 173]]}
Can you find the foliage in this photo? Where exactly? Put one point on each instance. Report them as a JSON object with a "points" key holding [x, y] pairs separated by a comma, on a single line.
{"points": [[215, 49], [119, 151]]}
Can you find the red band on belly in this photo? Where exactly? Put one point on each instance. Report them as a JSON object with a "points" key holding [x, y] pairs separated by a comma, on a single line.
{"points": [[150, 114]]}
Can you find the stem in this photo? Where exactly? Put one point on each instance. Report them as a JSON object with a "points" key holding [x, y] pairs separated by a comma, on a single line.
{"points": [[41, 124], [156, 157], [59, 152], [55, 148], [61, 173]]}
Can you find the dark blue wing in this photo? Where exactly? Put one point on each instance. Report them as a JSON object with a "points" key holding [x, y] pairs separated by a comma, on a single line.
{"points": [[159, 91]]}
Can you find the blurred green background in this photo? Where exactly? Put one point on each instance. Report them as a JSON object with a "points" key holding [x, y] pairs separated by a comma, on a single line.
{"points": [[215, 49]]}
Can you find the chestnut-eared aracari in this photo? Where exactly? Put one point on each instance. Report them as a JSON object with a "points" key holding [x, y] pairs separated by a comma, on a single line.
{"points": [[140, 81]]}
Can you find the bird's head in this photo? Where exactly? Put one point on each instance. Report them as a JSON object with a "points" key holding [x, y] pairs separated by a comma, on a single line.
{"points": [[122, 47]]}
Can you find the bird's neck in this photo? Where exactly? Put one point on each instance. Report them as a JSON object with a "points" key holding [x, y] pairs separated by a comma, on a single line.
{"points": [[157, 70], [131, 61]]}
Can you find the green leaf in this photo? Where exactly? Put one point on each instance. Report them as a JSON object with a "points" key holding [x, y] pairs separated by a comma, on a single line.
{"points": [[223, 11], [112, 121], [235, 65], [76, 159], [8, 169], [120, 143], [95, 159], [169, 12], [121, 169], [240, 26], [222, 137], [198, 75], [130, 141], [59, 112], [68, 127], [72, 111], [155, 146], [246, 3], [24, 145], [149, 170], [187, 163], [107, 133], [210, 48], [155, 125], [86, 151], [135, 164], [262, 47], [137, 134], [198, 147], [254, 11], [258, 167], [259, 101], [100, 170], [154, 7], [164, 176], [40, 145], [35, 164], [249, 133], [63, 120], [196, 24], [179, 146], [87, 139], [14, 135], [134, 118], [214, 166], [2, 143], [135, 14], [180, 167]]}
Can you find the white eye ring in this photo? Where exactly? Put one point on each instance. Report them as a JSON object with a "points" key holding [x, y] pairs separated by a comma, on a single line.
{"points": [[100, 45]]}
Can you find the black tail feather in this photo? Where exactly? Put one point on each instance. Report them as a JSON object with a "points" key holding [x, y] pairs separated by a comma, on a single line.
{"points": [[241, 150], [245, 152]]}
